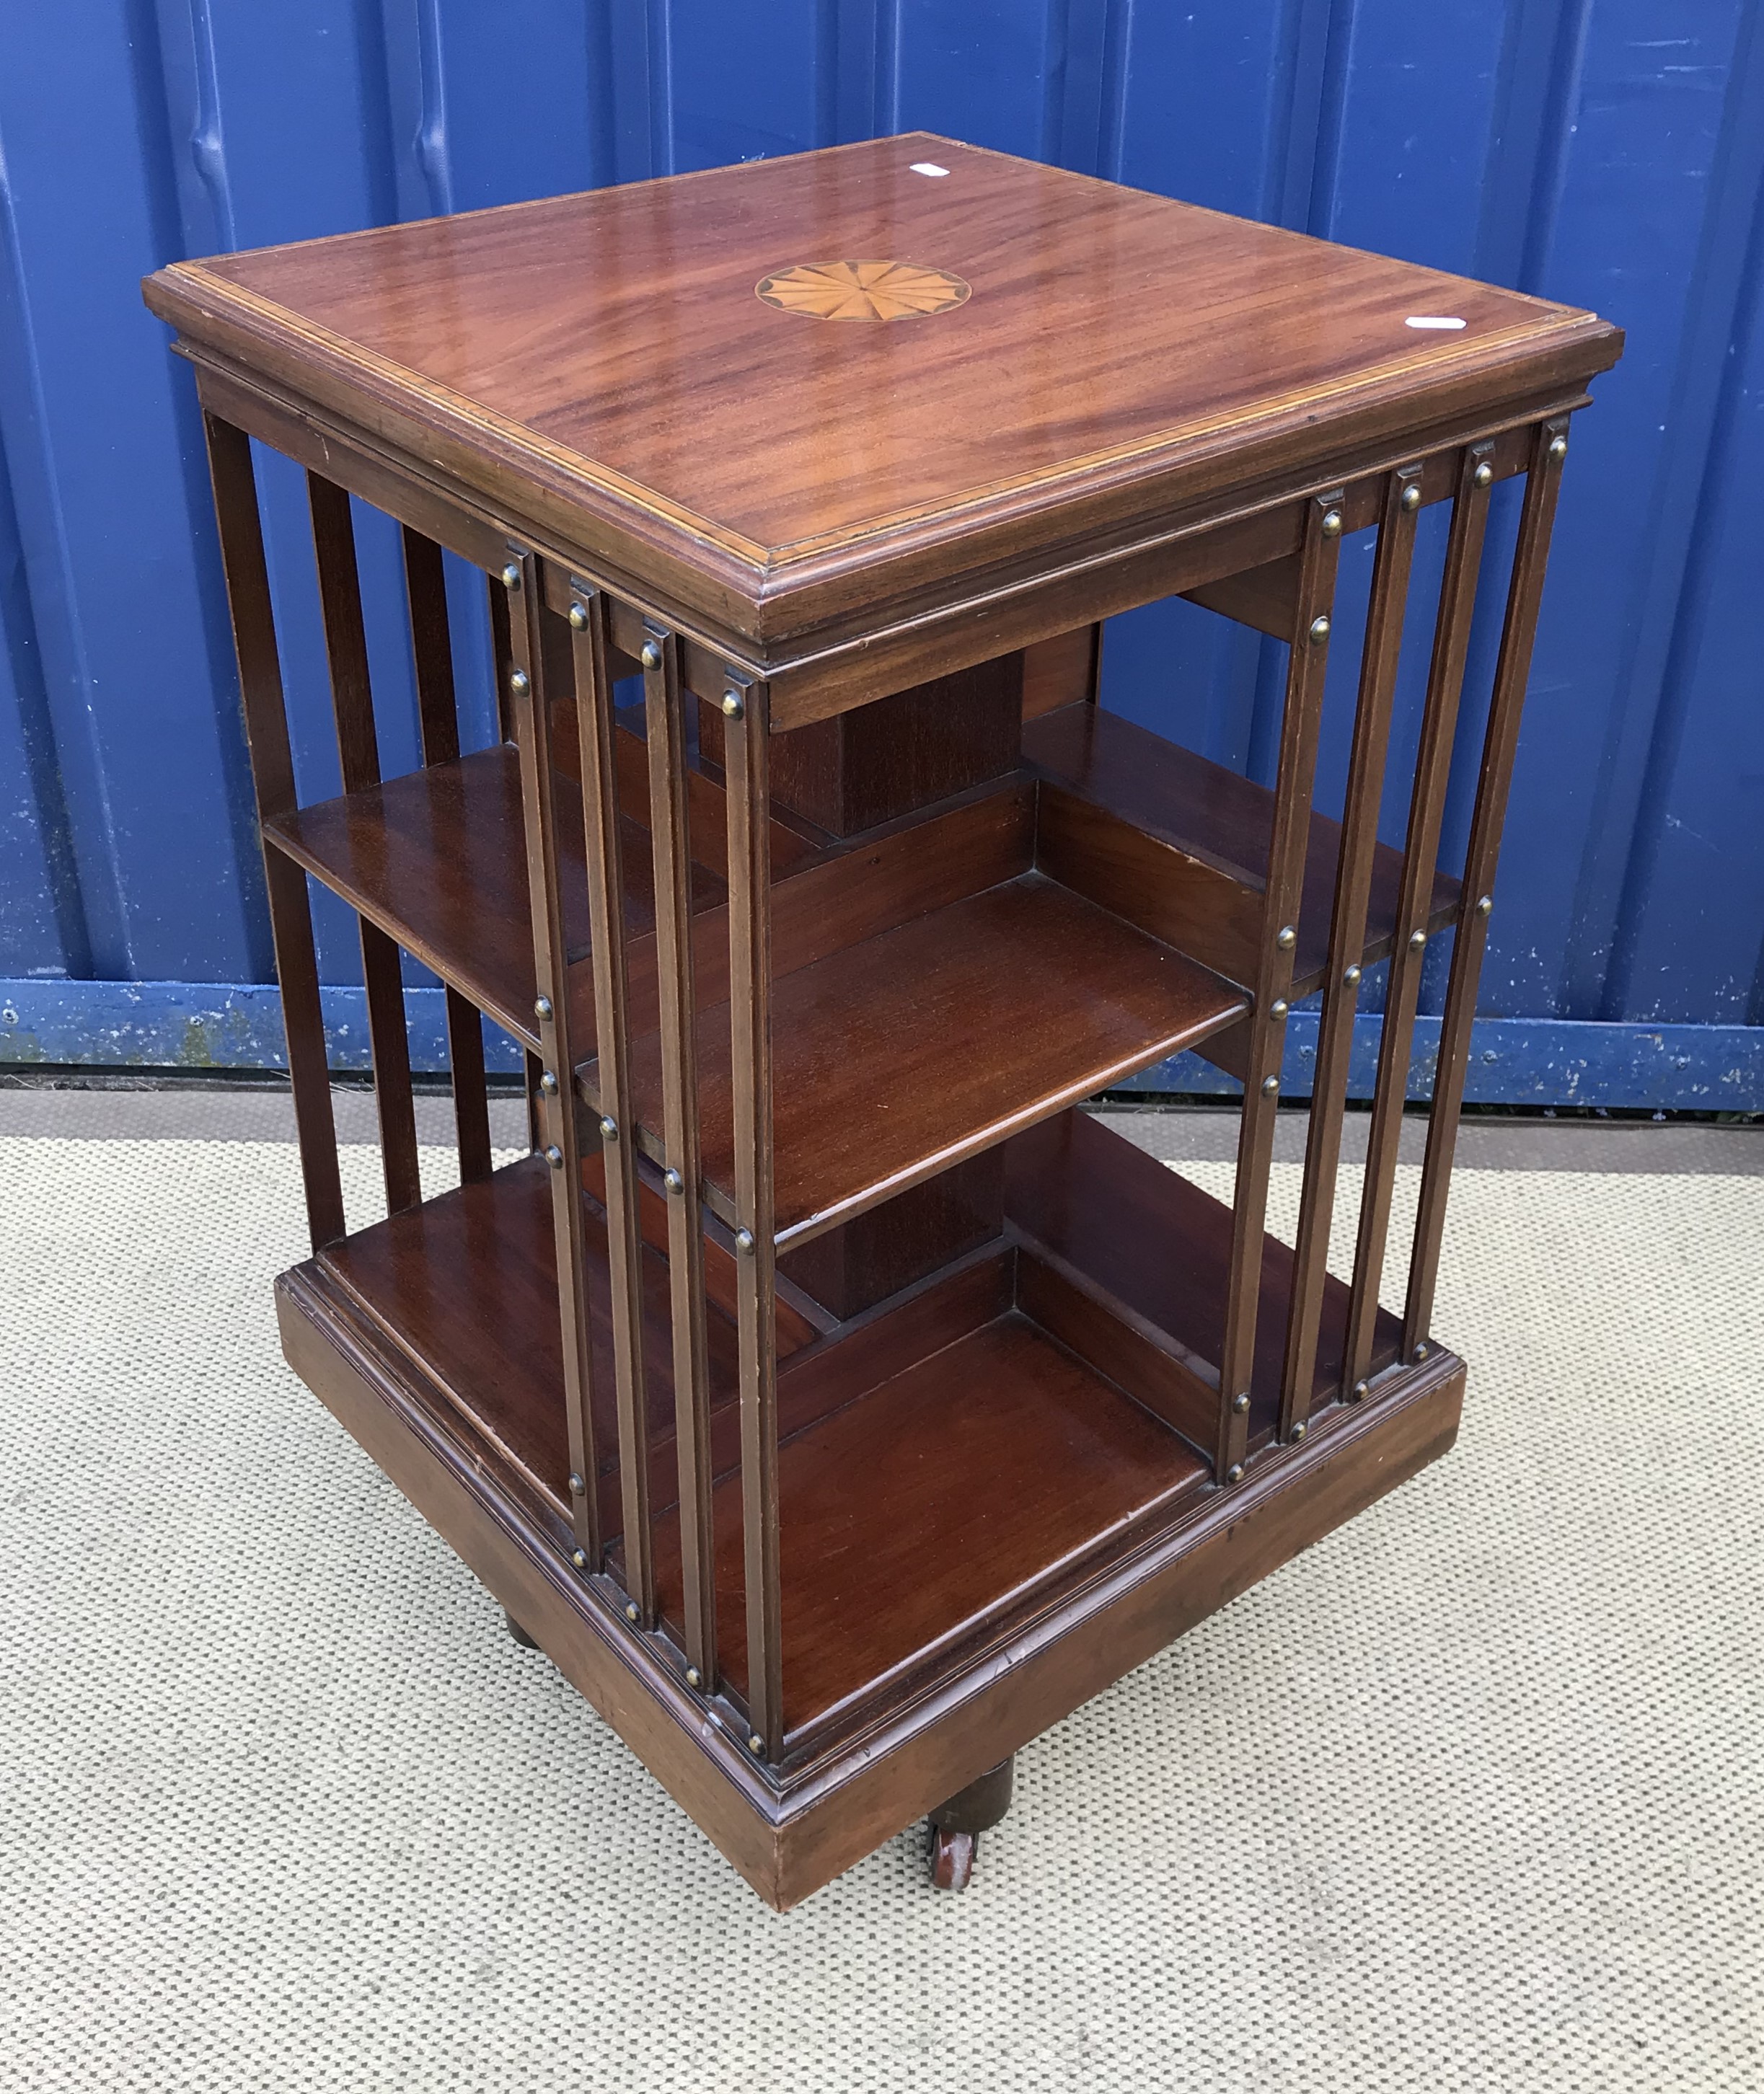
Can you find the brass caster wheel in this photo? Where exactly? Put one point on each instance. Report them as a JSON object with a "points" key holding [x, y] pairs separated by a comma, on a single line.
{"points": [[518, 1633], [952, 1858]]}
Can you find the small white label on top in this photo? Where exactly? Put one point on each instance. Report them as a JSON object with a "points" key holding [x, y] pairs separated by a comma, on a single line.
{"points": [[1430, 320], [930, 167]]}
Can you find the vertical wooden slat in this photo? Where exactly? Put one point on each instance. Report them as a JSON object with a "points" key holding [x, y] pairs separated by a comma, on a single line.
{"points": [[595, 729], [1525, 592], [745, 753], [425, 587], [346, 646], [1347, 938], [665, 726], [1427, 806], [1299, 720], [272, 781], [559, 1108]]}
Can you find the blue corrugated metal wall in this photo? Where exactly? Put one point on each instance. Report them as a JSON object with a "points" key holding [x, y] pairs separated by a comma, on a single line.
{"points": [[1611, 155]]}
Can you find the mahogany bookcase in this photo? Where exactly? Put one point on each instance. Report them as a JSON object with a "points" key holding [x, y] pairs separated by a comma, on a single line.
{"points": [[837, 1403]]}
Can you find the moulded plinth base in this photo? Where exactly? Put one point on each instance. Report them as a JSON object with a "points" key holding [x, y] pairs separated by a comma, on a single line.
{"points": [[790, 1830]]}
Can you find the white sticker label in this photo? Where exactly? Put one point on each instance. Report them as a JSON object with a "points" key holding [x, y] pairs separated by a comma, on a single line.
{"points": [[1430, 320], [930, 167]]}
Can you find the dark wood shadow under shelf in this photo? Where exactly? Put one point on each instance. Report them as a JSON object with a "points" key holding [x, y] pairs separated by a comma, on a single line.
{"points": [[894, 1057]]}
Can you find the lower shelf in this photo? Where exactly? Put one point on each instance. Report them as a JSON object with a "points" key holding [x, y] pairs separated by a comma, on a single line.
{"points": [[952, 1462]]}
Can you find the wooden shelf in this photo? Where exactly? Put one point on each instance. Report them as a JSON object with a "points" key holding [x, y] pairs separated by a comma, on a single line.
{"points": [[1221, 822], [438, 859], [1158, 1248], [897, 1057], [1002, 1458], [947, 1420]]}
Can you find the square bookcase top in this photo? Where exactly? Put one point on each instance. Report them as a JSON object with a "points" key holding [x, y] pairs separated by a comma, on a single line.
{"points": [[908, 354]]}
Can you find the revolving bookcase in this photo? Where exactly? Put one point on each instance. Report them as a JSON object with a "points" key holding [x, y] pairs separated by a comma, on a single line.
{"points": [[836, 1401]]}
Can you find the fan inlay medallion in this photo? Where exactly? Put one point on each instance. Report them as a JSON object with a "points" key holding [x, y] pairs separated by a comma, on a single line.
{"points": [[861, 290]]}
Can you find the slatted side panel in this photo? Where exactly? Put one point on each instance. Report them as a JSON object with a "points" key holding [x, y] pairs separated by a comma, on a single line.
{"points": [[1610, 155]]}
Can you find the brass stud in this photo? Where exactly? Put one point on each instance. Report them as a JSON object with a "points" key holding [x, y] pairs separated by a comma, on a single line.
{"points": [[1485, 904], [1558, 449], [579, 1558], [1299, 1430], [1360, 1391], [1277, 1009], [548, 1083], [578, 615], [577, 1487], [1235, 1473], [520, 683], [511, 576], [756, 1744], [732, 704], [693, 1677], [1287, 938], [1411, 497], [554, 1157], [609, 1127], [1416, 940], [1420, 1352], [1483, 476], [651, 657], [1240, 1402], [673, 1181], [1331, 524], [1351, 976], [744, 1242], [542, 1008], [1319, 630], [1269, 1085], [631, 1611]]}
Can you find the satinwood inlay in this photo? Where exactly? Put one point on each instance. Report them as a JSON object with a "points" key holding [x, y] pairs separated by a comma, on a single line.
{"points": [[861, 290]]}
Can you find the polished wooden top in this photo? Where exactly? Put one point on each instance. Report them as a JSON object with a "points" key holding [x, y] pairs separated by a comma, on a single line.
{"points": [[760, 374]]}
